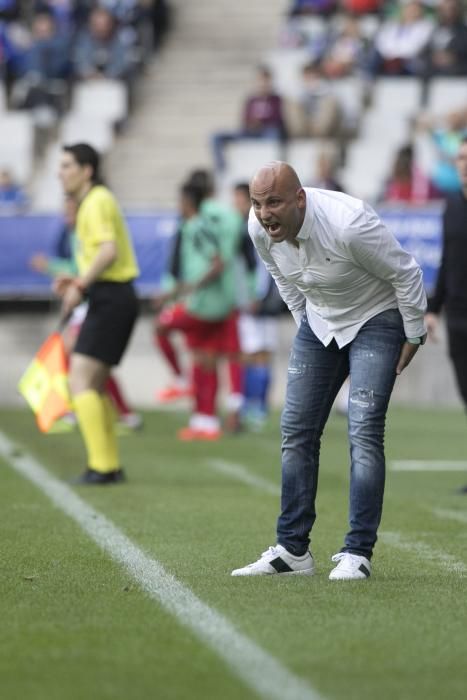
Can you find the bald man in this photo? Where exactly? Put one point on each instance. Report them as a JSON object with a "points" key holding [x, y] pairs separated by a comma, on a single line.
{"points": [[358, 300]]}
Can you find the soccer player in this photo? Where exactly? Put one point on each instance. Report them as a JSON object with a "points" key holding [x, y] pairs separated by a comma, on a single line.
{"points": [[107, 268], [205, 298], [358, 300]]}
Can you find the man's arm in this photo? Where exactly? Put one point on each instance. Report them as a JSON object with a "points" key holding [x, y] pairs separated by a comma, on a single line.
{"points": [[375, 248]]}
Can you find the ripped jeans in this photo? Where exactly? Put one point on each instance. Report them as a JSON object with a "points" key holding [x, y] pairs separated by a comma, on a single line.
{"points": [[315, 375]]}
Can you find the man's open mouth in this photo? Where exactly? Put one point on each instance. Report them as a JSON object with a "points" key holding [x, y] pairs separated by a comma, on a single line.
{"points": [[273, 227]]}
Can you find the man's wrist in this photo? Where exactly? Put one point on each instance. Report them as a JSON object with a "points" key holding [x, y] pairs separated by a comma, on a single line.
{"points": [[80, 285], [419, 340]]}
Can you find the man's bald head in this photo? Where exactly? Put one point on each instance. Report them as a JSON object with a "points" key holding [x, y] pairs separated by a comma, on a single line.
{"points": [[276, 175], [279, 201]]}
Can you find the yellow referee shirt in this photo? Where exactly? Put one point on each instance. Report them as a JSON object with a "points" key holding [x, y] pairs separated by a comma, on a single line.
{"points": [[99, 220]]}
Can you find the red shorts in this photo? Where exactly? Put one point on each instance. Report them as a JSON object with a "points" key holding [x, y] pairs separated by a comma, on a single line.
{"points": [[210, 336]]}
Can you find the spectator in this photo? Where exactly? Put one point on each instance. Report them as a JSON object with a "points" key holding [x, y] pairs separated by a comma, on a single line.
{"points": [[400, 42], [407, 183], [447, 132], [346, 50], [326, 166], [316, 113], [46, 66], [302, 8], [12, 196], [100, 52], [447, 50], [262, 117]]}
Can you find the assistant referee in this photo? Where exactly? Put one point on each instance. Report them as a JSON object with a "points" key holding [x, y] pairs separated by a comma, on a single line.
{"points": [[106, 270]]}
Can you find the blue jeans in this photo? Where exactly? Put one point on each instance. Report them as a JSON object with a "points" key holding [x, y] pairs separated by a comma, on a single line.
{"points": [[315, 375]]}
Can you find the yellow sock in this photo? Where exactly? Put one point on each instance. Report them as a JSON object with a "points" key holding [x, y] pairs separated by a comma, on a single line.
{"points": [[110, 416], [92, 420]]}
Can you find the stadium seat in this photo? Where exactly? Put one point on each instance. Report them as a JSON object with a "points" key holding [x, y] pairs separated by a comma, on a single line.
{"points": [[397, 96], [103, 99], [77, 127], [301, 154], [3, 103], [367, 166], [286, 67], [394, 128], [17, 144], [447, 94], [245, 156]]}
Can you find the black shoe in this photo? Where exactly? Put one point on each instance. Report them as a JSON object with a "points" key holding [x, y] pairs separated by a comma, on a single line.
{"points": [[93, 478], [463, 489]]}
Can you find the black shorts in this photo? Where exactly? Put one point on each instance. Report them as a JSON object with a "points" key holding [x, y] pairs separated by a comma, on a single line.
{"points": [[111, 316]]}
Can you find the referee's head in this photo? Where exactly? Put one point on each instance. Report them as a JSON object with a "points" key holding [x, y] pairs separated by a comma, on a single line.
{"points": [[79, 168]]}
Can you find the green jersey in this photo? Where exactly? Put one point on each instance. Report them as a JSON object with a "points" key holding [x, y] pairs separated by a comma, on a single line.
{"points": [[201, 243]]}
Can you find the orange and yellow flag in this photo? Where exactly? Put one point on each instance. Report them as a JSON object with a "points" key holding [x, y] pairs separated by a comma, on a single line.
{"points": [[44, 384]]}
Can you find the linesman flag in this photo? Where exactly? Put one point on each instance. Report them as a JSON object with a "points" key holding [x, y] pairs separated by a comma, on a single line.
{"points": [[44, 384]]}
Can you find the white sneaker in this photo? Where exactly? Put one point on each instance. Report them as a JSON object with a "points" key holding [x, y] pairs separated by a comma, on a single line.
{"points": [[277, 560], [350, 567]]}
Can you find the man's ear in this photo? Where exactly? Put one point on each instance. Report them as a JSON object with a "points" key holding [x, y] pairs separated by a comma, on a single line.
{"points": [[301, 198]]}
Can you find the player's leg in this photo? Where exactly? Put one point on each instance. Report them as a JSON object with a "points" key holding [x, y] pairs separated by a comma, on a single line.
{"points": [[168, 322]]}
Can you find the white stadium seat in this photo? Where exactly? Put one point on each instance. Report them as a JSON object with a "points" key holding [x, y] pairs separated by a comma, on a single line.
{"points": [[245, 156], [17, 144], [104, 99], [397, 96], [447, 94], [77, 128]]}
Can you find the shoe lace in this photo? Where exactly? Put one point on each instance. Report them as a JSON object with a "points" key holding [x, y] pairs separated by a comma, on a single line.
{"points": [[271, 551], [339, 556]]}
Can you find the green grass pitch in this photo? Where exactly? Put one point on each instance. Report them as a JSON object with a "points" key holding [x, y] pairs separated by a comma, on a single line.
{"points": [[74, 625]]}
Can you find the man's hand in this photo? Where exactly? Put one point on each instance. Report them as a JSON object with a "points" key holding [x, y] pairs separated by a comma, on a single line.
{"points": [[61, 284], [432, 324], [407, 353], [39, 263], [71, 298]]}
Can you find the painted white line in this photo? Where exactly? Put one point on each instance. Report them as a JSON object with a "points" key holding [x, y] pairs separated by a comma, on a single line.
{"points": [[263, 673], [447, 561], [416, 465], [241, 473], [455, 515]]}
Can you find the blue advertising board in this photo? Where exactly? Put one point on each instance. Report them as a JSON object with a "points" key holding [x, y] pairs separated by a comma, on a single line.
{"points": [[418, 230]]}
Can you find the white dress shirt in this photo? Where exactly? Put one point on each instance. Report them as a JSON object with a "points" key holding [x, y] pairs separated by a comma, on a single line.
{"points": [[347, 268]]}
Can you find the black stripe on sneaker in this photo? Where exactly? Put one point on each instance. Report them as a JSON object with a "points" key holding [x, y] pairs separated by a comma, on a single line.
{"points": [[280, 566], [364, 570]]}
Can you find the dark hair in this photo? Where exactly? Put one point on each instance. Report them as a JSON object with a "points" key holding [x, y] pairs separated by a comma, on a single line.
{"points": [[84, 154], [244, 188], [202, 179], [192, 192]]}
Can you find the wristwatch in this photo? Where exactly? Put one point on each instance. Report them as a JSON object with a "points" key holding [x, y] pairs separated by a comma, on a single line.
{"points": [[417, 341]]}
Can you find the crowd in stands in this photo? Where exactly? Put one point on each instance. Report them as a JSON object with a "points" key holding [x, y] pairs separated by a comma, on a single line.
{"points": [[49, 46], [364, 41]]}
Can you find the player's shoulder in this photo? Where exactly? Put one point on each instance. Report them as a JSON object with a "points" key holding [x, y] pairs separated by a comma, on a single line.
{"points": [[101, 195]]}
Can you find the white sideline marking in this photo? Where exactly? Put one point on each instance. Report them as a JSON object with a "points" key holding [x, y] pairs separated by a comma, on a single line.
{"points": [[414, 465], [456, 515], [241, 473], [395, 539], [263, 673]]}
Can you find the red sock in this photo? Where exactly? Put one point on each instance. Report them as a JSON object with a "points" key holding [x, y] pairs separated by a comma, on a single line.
{"points": [[165, 346], [115, 393], [236, 377], [205, 387]]}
